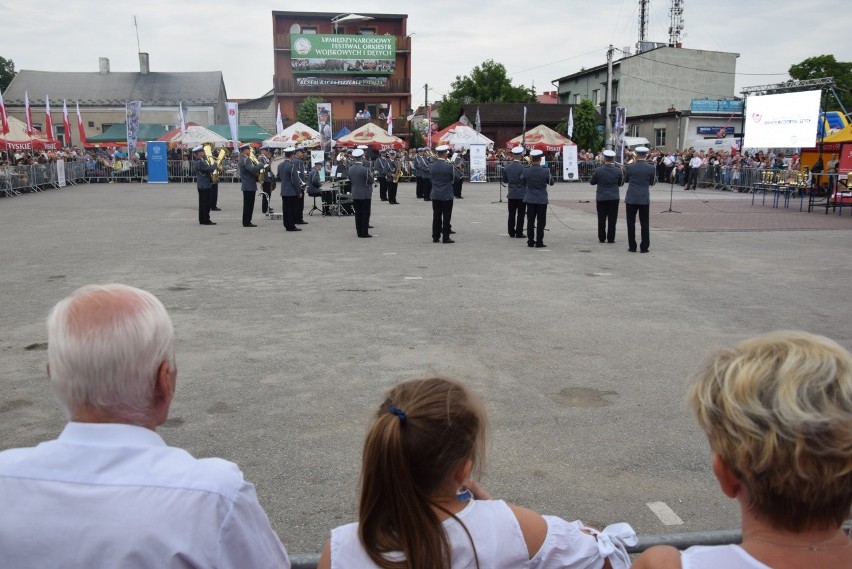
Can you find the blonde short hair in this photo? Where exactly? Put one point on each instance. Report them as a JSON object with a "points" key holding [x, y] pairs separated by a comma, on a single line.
{"points": [[778, 410]]}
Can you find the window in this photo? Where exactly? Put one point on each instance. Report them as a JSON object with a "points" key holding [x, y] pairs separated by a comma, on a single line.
{"points": [[596, 96], [309, 30], [367, 31], [576, 98], [659, 137], [633, 130]]}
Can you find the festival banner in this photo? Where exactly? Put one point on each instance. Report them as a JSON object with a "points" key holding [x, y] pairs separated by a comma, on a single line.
{"points": [[570, 129], [48, 120], [279, 123], [478, 163], [570, 173], [66, 124], [324, 124], [340, 53], [4, 119], [181, 120], [80, 128], [429, 126], [234, 121], [620, 126], [390, 119], [29, 114], [318, 157], [158, 166], [60, 173], [133, 111]]}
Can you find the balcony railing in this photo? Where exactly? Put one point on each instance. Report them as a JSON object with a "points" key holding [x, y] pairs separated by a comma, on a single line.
{"points": [[282, 41], [286, 85]]}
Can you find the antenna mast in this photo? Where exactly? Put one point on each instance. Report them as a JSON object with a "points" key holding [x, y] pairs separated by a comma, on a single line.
{"points": [[136, 25], [643, 21], [676, 26]]}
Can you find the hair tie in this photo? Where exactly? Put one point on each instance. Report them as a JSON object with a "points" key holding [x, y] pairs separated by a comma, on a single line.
{"points": [[403, 418]]}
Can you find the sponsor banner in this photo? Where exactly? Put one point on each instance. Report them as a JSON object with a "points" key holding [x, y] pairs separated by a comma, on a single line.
{"points": [[324, 126], [478, 163], [233, 110], [620, 126], [356, 81], [716, 106], [714, 130], [60, 173], [570, 173], [134, 110], [339, 53], [158, 167]]}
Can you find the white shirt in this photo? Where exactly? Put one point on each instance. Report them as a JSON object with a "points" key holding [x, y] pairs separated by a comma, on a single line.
{"points": [[715, 556], [110, 495], [499, 543], [696, 162]]}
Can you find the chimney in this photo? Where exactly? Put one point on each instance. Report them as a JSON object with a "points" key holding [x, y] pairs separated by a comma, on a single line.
{"points": [[103, 65], [144, 67]]}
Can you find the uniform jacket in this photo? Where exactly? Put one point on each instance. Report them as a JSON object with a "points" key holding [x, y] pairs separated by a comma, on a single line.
{"points": [[537, 178], [443, 175], [640, 176], [362, 182], [314, 183], [513, 176], [248, 174], [290, 186], [202, 174], [608, 178]]}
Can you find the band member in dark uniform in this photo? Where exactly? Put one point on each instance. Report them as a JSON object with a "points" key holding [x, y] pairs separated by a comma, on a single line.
{"points": [[291, 188], [314, 180], [302, 170], [428, 161], [392, 180], [419, 164], [249, 169], [268, 178], [458, 164], [382, 165], [442, 174], [214, 195], [640, 176], [513, 177], [362, 193], [204, 182], [537, 178], [608, 177]]}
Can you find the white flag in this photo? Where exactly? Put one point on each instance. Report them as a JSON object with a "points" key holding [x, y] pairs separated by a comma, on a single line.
{"points": [[182, 120], [234, 121], [390, 119], [570, 122], [279, 124], [479, 124]]}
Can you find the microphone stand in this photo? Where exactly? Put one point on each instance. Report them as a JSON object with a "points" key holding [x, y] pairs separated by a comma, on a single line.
{"points": [[671, 192], [500, 191]]}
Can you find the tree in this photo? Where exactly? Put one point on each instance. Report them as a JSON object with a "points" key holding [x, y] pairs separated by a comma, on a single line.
{"points": [[416, 140], [306, 112], [586, 133], [7, 72], [486, 83], [827, 66]]}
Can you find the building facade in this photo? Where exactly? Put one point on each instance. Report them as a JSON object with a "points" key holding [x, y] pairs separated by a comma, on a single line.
{"points": [[356, 62]]}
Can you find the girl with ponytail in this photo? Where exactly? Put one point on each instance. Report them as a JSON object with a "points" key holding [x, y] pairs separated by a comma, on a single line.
{"points": [[420, 507]]}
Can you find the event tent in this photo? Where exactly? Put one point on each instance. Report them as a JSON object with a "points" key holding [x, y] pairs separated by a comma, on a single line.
{"points": [[18, 139], [542, 138], [373, 136], [195, 135], [342, 132], [294, 135], [116, 135], [245, 132], [443, 132], [461, 137]]}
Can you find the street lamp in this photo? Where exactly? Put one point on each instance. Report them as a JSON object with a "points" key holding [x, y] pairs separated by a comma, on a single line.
{"points": [[348, 18]]}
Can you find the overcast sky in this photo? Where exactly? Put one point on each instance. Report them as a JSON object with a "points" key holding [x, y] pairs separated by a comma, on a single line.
{"points": [[536, 41]]}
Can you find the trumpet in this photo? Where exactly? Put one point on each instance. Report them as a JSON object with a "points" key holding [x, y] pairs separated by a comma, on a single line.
{"points": [[255, 161], [208, 153]]}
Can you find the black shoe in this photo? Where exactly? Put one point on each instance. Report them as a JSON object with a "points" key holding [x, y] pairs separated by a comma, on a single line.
{"points": [[384, 199], [394, 203], [448, 240], [613, 241], [530, 244], [249, 225], [512, 235], [632, 250], [540, 245], [602, 240], [435, 240], [365, 236], [452, 232], [209, 223], [303, 222], [643, 250], [294, 229], [215, 209], [459, 198], [520, 236], [370, 227]]}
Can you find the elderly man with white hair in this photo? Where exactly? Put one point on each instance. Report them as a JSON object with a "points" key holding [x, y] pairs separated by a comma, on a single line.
{"points": [[109, 492]]}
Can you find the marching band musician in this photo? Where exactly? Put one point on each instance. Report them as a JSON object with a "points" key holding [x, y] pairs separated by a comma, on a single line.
{"points": [[299, 166], [442, 174], [214, 193], [428, 161], [265, 159], [248, 183], [513, 177], [458, 164], [291, 188], [608, 178], [392, 179], [314, 180], [362, 193], [537, 178], [418, 173], [204, 183], [343, 169], [382, 167], [640, 176]]}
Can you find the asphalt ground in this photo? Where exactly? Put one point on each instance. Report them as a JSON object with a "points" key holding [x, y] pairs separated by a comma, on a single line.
{"points": [[583, 352]]}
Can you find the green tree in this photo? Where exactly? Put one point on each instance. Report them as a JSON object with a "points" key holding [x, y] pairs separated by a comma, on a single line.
{"points": [[416, 140], [7, 72], [828, 66], [486, 83], [306, 112], [586, 133]]}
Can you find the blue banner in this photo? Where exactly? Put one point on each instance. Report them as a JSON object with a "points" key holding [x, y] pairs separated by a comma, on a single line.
{"points": [[158, 166], [716, 106], [713, 130]]}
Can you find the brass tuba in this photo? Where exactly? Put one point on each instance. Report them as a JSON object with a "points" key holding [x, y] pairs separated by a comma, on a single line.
{"points": [[255, 161], [208, 153]]}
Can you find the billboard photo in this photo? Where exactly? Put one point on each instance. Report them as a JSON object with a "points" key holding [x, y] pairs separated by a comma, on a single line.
{"points": [[358, 54]]}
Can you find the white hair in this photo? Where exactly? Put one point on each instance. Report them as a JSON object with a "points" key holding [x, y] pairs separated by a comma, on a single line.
{"points": [[106, 344]]}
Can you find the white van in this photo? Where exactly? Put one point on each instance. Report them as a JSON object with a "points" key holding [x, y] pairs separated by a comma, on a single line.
{"points": [[633, 142]]}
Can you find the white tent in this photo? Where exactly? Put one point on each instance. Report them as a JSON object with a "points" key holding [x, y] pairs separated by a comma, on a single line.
{"points": [[294, 135], [195, 135], [461, 137]]}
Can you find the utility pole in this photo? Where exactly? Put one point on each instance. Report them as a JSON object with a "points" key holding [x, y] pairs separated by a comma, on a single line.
{"points": [[608, 110], [428, 118]]}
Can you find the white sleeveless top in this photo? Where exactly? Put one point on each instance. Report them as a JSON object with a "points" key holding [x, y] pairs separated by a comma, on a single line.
{"points": [[715, 556], [498, 539]]}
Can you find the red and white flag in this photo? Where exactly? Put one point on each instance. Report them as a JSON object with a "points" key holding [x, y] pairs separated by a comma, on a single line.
{"points": [[4, 120], [390, 119], [80, 128], [182, 120], [48, 122], [66, 124], [29, 114]]}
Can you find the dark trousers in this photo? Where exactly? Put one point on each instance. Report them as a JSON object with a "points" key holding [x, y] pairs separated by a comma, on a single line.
{"points": [[300, 208], [392, 187], [204, 197], [457, 187], [607, 218], [248, 206], [383, 189], [536, 219], [267, 189], [517, 209], [427, 189], [362, 216], [442, 213], [693, 178], [288, 210], [631, 226], [214, 196], [418, 188]]}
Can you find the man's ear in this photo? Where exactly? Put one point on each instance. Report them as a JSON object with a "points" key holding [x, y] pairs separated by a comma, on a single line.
{"points": [[164, 386], [728, 481]]}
